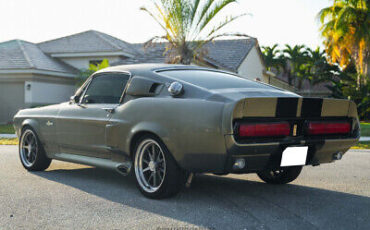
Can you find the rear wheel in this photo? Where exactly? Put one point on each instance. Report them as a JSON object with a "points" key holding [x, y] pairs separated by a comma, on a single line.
{"points": [[157, 173], [281, 176], [31, 152]]}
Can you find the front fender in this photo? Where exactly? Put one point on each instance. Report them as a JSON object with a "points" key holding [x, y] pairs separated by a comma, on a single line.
{"points": [[34, 124]]}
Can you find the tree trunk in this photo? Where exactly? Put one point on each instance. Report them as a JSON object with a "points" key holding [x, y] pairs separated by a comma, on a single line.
{"points": [[186, 54]]}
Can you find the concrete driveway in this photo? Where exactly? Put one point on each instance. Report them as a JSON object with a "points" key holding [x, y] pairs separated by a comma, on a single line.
{"points": [[70, 196]]}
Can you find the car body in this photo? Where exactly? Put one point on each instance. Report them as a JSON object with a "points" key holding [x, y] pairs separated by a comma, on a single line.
{"points": [[197, 113]]}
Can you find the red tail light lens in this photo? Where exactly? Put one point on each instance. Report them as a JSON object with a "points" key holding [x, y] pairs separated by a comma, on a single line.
{"points": [[264, 129], [320, 128]]}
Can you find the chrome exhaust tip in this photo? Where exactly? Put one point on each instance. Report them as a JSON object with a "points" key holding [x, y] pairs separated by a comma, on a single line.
{"points": [[337, 156], [239, 164], [124, 168]]}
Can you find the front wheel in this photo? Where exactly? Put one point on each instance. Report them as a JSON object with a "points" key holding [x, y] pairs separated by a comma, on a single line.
{"points": [[157, 173], [281, 176], [31, 151]]}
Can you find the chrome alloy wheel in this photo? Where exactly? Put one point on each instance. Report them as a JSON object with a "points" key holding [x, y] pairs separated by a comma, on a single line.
{"points": [[150, 165], [28, 148]]}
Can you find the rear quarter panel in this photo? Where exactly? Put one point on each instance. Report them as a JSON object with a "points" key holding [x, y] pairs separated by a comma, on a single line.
{"points": [[190, 128]]}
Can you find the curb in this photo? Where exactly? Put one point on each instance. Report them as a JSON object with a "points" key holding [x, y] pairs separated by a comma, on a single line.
{"points": [[364, 139], [8, 135]]}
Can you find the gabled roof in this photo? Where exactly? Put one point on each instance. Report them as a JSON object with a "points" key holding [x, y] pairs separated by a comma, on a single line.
{"points": [[226, 54], [90, 41], [19, 54], [229, 54]]}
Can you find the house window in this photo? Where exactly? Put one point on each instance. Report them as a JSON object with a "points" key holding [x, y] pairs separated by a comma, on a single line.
{"points": [[95, 62]]}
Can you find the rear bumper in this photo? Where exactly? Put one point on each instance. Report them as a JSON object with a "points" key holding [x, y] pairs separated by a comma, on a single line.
{"points": [[260, 156]]}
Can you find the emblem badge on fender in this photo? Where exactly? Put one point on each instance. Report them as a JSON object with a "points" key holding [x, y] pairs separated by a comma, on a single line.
{"points": [[49, 123]]}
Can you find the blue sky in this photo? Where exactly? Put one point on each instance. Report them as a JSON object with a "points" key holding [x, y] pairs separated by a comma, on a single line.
{"points": [[271, 21]]}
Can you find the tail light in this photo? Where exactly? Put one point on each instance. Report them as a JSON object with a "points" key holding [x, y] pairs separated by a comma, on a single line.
{"points": [[320, 128], [264, 129]]}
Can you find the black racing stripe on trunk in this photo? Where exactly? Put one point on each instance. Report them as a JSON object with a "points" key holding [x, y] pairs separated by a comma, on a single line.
{"points": [[286, 107], [311, 107]]}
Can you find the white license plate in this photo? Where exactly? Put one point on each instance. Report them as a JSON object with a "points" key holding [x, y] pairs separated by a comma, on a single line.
{"points": [[293, 156]]}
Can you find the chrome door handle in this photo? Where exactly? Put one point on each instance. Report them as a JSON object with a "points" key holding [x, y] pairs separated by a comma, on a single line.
{"points": [[109, 110]]}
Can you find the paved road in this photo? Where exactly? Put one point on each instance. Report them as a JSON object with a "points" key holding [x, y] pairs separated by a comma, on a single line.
{"points": [[70, 196]]}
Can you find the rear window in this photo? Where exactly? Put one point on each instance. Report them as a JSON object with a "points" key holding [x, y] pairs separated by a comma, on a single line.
{"points": [[212, 79]]}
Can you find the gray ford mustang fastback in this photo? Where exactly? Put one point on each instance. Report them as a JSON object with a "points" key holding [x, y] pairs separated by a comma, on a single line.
{"points": [[166, 122]]}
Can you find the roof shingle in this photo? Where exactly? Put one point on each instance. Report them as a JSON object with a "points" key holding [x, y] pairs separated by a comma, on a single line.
{"points": [[18, 54], [227, 54], [87, 42]]}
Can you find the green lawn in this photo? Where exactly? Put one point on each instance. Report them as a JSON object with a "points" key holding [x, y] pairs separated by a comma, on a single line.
{"points": [[365, 129], [362, 145], [7, 129]]}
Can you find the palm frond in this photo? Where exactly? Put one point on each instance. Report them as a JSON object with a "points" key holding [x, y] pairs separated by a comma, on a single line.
{"points": [[224, 23], [213, 12]]}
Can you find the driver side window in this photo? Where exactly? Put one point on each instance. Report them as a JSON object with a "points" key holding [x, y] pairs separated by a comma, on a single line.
{"points": [[105, 89]]}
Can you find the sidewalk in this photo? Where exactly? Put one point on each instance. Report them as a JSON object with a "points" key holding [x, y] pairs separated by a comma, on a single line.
{"points": [[8, 136]]}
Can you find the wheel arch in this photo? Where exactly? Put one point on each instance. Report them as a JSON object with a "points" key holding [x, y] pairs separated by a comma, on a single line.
{"points": [[137, 136], [32, 124], [150, 128]]}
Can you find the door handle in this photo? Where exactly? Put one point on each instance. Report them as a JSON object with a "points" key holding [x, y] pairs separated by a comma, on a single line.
{"points": [[109, 110]]}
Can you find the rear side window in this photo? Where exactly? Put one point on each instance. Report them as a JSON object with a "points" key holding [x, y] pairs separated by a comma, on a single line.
{"points": [[212, 79], [106, 89]]}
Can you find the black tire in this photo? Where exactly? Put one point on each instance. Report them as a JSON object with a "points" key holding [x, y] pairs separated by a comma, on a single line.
{"points": [[40, 161], [282, 176], [173, 177]]}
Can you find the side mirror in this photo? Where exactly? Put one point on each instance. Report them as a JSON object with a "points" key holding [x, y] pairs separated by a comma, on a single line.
{"points": [[74, 99]]}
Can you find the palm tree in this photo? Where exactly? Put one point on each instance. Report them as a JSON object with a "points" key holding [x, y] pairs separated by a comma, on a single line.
{"points": [[270, 56], [345, 27], [297, 58], [86, 73], [319, 67], [188, 25]]}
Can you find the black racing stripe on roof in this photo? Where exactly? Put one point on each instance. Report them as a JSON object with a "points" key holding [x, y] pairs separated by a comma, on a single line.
{"points": [[286, 107], [311, 107]]}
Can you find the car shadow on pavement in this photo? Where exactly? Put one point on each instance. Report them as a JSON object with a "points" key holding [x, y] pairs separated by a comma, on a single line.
{"points": [[223, 202]]}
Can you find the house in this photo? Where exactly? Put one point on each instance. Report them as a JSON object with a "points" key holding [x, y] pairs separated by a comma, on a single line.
{"points": [[29, 77], [44, 73]]}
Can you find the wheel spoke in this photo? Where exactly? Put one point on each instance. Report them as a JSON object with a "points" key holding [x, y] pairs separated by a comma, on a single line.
{"points": [[32, 141], [160, 177], [150, 155], [154, 152], [29, 138], [146, 169], [155, 179], [33, 154], [150, 177], [158, 160]]}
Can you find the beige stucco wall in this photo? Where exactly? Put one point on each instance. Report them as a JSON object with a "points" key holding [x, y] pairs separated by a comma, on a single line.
{"points": [[252, 66], [41, 93], [83, 62], [11, 100], [44, 90]]}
